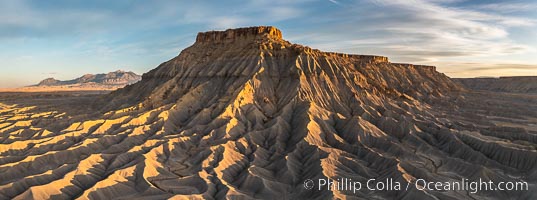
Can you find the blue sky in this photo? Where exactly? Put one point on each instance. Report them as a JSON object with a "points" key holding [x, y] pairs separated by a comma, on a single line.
{"points": [[66, 39]]}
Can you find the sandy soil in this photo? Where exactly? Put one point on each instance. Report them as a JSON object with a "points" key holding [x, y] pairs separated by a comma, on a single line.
{"points": [[63, 88]]}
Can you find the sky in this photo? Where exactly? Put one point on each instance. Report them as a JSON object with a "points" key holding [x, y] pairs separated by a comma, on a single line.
{"points": [[65, 39]]}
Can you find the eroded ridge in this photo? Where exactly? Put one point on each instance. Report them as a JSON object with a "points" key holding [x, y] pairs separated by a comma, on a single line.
{"points": [[253, 120]]}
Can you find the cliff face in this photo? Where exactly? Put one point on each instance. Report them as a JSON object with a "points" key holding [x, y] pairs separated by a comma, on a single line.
{"points": [[239, 35], [244, 114], [520, 84]]}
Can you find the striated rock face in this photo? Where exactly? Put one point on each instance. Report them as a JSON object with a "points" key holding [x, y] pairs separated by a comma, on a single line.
{"points": [[244, 114], [517, 84], [239, 34]]}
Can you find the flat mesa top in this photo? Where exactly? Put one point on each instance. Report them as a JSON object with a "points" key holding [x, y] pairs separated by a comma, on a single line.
{"points": [[239, 33]]}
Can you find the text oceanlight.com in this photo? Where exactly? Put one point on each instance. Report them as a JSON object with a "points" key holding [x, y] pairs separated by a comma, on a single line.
{"points": [[473, 186]]}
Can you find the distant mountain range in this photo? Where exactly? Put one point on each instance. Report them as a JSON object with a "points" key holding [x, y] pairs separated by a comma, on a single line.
{"points": [[515, 84], [117, 78], [89, 82]]}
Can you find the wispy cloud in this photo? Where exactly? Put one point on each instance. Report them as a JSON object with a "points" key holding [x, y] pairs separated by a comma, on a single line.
{"points": [[431, 29], [142, 34], [508, 7], [90, 37], [476, 69], [334, 1], [481, 66]]}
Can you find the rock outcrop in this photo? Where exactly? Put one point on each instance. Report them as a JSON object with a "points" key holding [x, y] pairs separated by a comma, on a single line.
{"points": [[244, 114], [239, 35]]}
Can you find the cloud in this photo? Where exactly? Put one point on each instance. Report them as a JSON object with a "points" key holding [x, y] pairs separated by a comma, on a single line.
{"points": [[419, 29], [36, 19], [396, 27], [65, 34], [120, 33], [335, 2], [508, 7], [476, 69], [474, 66]]}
